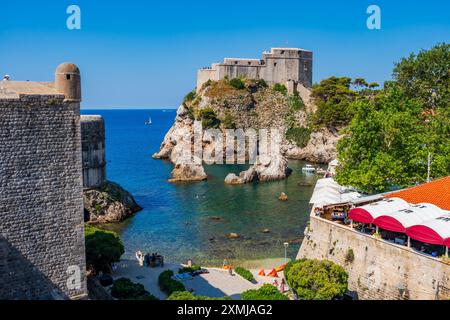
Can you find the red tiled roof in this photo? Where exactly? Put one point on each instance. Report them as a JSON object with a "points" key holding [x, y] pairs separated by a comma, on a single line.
{"points": [[436, 192]]}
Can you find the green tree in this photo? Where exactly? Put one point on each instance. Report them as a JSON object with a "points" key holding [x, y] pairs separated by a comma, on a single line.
{"points": [[333, 98], [102, 248], [426, 76], [228, 121], [360, 83], [388, 141], [317, 279], [265, 292]]}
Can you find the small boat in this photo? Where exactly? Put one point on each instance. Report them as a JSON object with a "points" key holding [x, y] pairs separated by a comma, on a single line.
{"points": [[308, 168], [149, 121], [321, 171]]}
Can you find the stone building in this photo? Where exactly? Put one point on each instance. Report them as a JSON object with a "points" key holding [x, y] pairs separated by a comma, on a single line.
{"points": [[42, 251], [290, 66]]}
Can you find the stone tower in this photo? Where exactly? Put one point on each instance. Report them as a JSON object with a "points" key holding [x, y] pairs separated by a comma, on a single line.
{"points": [[68, 81], [93, 148]]}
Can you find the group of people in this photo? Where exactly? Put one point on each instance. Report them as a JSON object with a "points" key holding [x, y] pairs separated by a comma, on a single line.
{"points": [[149, 260]]}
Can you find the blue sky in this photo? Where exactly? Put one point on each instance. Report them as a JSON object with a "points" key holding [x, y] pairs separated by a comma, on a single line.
{"points": [[145, 53]]}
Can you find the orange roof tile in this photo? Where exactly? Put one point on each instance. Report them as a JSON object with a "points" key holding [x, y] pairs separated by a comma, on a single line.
{"points": [[436, 192]]}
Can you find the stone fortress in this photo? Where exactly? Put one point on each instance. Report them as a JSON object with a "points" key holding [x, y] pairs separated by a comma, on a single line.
{"points": [[289, 66], [42, 250]]}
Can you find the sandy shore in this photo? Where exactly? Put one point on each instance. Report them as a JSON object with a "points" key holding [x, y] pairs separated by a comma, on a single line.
{"points": [[216, 283]]}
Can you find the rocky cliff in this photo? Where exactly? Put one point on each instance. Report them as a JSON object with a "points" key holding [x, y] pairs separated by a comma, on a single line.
{"points": [[244, 104]]}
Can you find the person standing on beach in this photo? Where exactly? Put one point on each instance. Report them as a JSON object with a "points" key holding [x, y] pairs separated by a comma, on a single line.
{"points": [[283, 284]]}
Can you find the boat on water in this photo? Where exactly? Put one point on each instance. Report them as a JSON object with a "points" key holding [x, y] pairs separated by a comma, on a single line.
{"points": [[308, 168], [149, 121]]}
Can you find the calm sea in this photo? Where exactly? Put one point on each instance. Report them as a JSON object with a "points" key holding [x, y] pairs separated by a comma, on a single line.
{"points": [[191, 220]]}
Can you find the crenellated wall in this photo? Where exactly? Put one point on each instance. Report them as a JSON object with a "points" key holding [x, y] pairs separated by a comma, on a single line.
{"points": [[379, 269]]}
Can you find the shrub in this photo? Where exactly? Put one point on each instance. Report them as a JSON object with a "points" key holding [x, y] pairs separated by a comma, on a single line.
{"points": [[190, 96], [228, 121], [167, 284], [125, 289], [209, 118], [189, 269], [237, 83], [261, 83], [280, 88], [299, 135], [181, 295], [102, 248], [295, 102], [266, 292], [186, 295], [317, 279], [244, 273], [350, 255]]}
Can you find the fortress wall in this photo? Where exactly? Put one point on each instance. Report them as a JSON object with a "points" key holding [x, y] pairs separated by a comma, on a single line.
{"points": [[93, 151], [380, 269], [41, 211], [204, 75], [236, 71]]}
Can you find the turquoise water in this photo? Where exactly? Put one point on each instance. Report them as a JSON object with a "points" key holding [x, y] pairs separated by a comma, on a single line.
{"points": [[191, 220]]}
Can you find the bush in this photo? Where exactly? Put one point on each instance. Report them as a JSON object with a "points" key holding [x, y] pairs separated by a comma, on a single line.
{"points": [[317, 279], [349, 256], [295, 102], [244, 273], [209, 118], [261, 83], [266, 292], [186, 295], [125, 289], [167, 284], [237, 83], [189, 269], [102, 248], [181, 295], [299, 135], [228, 121], [280, 88], [190, 96]]}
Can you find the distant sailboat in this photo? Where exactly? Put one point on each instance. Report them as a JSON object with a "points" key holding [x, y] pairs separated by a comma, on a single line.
{"points": [[149, 121]]}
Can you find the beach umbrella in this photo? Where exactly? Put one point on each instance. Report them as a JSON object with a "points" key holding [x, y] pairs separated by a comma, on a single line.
{"points": [[273, 274]]}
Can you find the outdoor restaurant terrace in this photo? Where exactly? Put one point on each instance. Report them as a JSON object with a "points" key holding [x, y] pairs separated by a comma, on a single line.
{"points": [[417, 217]]}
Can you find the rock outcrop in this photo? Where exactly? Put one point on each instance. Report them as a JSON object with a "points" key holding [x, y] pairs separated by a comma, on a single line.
{"points": [[321, 147], [265, 169], [108, 203]]}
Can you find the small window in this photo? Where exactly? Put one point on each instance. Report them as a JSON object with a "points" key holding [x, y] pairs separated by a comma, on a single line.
{"points": [[249, 63], [68, 76], [282, 52], [235, 62], [275, 64]]}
